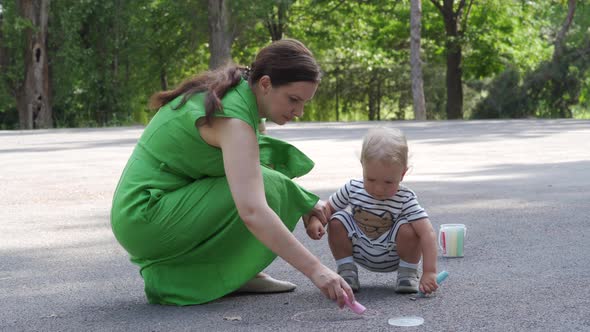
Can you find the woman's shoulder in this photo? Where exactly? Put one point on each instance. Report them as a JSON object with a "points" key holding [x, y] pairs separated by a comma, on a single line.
{"points": [[240, 97], [240, 102]]}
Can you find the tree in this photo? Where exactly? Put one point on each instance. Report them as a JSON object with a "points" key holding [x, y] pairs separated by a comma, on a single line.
{"points": [[415, 63], [3, 50], [34, 105], [364, 50], [220, 36], [556, 84], [276, 21], [559, 39], [560, 84], [455, 26], [105, 58]]}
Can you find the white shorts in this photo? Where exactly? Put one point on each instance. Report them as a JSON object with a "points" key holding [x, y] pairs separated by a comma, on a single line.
{"points": [[378, 255]]}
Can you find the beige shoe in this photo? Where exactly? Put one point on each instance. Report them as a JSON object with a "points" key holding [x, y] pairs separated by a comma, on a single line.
{"points": [[264, 283], [407, 281], [350, 273]]}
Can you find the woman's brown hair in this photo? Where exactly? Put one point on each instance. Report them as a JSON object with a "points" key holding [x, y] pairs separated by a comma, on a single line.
{"points": [[284, 61]]}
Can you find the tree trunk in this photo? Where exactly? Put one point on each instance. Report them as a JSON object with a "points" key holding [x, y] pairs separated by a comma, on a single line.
{"points": [[562, 107], [4, 57], [372, 90], [163, 79], [276, 23], [220, 36], [372, 110], [337, 97], [415, 63], [559, 39], [454, 71], [34, 107], [379, 100], [3, 52], [454, 55], [454, 81]]}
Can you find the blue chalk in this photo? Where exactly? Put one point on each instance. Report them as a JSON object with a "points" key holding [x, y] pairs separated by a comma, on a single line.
{"points": [[439, 279]]}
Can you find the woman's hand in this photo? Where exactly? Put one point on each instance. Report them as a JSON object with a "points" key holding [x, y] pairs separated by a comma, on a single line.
{"points": [[332, 285]]}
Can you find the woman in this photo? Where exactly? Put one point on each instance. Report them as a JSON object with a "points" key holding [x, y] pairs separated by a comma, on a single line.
{"points": [[205, 202]]}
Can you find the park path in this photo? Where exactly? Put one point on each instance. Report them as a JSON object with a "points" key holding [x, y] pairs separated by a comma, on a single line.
{"points": [[522, 187]]}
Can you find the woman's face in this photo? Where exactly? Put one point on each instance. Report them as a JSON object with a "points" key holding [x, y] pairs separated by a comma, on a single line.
{"points": [[281, 104]]}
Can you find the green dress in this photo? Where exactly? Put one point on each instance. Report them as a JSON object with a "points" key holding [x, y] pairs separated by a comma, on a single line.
{"points": [[173, 211]]}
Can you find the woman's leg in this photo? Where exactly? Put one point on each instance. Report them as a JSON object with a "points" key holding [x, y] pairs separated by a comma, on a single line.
{"points": [[204, 249]]}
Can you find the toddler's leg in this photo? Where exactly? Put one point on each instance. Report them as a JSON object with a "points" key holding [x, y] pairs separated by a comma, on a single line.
{"points": [[408, 244], [340, 244], [341, 247], [410, 252]]}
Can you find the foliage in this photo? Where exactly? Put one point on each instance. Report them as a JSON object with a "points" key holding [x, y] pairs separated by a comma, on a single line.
{"points": [[11, 62], [107, 57], [112, 55], [554, 88], [365, 60]]}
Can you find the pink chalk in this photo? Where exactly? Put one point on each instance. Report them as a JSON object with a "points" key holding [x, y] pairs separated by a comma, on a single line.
{"points": [[356, 307]]}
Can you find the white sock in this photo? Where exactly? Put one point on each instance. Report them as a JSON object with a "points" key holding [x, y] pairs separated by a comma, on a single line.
{"points": [[403, 263], [344, 260]]}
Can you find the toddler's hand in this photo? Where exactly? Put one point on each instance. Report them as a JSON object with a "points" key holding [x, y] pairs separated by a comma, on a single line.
{"points": [[428, 282], [319, 211], [315, 229]]}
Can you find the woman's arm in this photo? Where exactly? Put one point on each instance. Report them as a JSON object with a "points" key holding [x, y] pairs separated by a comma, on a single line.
{"points": [[242, 168]]}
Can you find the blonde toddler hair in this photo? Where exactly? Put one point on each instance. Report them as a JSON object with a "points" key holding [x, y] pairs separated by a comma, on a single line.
{"points": [[386, 145]]}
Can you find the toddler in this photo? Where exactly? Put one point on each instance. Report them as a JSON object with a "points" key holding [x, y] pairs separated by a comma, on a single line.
{"points": [[377, 223]]}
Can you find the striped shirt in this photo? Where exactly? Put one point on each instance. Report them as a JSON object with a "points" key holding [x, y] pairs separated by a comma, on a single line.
{"points": [[403, 206], [377, 254]]}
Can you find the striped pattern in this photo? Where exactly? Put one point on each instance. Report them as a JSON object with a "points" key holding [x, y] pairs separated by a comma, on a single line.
{"points": [[379, 254]]}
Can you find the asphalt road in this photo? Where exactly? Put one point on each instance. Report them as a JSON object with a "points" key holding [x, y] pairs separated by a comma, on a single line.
{"points": [[522, 188]]}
